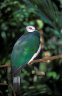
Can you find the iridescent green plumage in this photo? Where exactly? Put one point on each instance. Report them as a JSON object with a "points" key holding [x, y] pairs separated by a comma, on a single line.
{"points": [[25, 47]]}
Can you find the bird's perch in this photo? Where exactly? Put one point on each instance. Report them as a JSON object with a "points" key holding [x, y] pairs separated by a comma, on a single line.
{"points": [[45, 59]]}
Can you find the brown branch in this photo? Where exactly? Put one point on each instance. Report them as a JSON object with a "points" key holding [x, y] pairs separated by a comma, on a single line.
{"points": [[5, 66], [41, 39], [45, 59], [14, 94], [3, 84]]}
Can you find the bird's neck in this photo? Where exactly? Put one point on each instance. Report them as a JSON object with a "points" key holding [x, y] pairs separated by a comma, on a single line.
{"points": [[36, 33]]}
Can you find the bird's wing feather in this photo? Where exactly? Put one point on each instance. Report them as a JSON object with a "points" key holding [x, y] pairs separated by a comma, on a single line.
{"points": [[24, 49]]}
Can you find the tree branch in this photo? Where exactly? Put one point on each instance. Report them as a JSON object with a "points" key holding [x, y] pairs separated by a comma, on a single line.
{"points": [[45, 59]]}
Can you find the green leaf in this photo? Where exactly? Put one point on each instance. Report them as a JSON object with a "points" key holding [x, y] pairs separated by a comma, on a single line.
{"points": [[53, 74]]}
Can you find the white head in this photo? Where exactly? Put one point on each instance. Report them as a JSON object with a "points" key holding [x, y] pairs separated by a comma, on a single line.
{"points": [[30, 28]]}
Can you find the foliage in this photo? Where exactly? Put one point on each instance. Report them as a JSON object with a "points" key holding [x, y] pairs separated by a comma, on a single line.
{"points": [[15, 15]]}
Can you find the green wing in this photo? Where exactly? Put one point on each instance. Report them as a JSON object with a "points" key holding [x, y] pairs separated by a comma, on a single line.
{"points": [[24, 49]]}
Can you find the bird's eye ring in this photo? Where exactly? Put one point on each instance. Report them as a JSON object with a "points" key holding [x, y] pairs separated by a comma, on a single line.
{"points": [[30, 28]]}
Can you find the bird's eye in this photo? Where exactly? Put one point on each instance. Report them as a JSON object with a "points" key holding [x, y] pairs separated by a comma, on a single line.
{"points": [[30, 28]]}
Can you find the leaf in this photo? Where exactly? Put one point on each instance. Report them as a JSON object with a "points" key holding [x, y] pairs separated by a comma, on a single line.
{"points": [[43, 67], [47, 11], [53, 75]]}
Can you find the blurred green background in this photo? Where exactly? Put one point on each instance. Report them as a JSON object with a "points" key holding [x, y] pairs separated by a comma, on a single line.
{"points": [[15, 15]]}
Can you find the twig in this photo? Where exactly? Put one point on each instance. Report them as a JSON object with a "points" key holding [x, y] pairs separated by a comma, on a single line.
{"points": [[4, 84], [14, 94], [4, 66], [44, 59], [41, 38]]}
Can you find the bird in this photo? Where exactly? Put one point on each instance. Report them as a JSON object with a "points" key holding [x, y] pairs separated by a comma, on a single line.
{"points": [[26, 48]]}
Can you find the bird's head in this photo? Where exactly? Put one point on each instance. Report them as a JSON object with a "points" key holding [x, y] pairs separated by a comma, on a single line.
{"points": [[30, 28]]}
